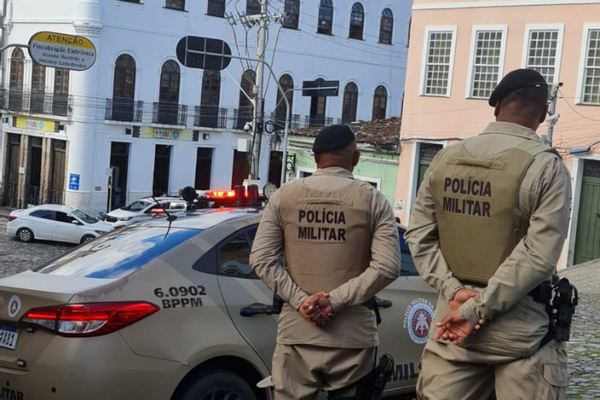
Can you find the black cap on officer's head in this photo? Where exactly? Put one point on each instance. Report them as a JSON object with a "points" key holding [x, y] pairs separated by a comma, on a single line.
{"points": [[514, 80], [332, 138]]}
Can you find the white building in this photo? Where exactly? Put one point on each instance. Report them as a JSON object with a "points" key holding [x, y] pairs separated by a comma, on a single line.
{"points": [[161, 126]]}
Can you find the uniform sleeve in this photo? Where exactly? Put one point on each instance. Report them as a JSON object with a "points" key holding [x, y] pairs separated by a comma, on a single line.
{"points": [[423, 240], [266, 251], [384, 267], [534, 259]]}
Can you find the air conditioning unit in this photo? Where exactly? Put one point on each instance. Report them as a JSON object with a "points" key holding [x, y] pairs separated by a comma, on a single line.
{"points": [[244, 145]]}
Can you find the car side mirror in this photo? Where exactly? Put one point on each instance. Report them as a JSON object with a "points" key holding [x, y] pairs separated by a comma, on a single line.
{"points": [[76, 222]]}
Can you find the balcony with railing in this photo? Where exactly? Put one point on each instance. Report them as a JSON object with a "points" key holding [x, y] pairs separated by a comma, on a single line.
{"points": [[36, 102], [210, 117], [124, 110], [317, 120], [241, 116], [169, 114], [279, 121]]}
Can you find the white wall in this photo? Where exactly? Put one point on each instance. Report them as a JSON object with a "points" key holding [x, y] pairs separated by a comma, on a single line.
{"points": [[149, 33]]}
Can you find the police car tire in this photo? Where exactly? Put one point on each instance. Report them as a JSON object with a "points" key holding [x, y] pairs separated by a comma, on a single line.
{"points": [[213, 380], [87, 238], [25, 235]]}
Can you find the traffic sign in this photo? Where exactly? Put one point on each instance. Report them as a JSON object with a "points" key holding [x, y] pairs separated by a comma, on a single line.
{"points": [[74, 182], [191, 52], [320, 88], [57, 50]]}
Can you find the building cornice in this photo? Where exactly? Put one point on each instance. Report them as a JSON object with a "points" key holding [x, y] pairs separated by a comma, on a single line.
{"points": [[497, 3]]}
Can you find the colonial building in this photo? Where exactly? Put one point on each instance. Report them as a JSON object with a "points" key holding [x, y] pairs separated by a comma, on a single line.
{"points": [[459, 51], [378, 142], [138, 122]]}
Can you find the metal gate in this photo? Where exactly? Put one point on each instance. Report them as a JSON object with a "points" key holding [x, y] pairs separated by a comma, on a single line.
{"points": [[11, 178], [587, 241]]}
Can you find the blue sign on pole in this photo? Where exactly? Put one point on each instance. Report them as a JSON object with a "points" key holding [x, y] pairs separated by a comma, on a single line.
{"points": [[74, 182]]}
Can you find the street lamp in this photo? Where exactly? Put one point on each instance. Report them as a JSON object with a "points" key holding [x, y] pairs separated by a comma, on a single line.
{"points": [[275, 142]]}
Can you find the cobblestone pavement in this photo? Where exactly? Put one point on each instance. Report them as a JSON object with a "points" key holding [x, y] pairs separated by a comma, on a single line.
{"points": [[584, 347]]}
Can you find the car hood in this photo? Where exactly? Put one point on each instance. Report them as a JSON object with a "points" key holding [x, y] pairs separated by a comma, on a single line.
{"points": [[102, 226], [123, 213]]}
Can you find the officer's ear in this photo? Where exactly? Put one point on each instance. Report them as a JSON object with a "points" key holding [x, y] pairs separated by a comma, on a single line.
{"points": [[497, 109], [544, 115], [355, 157]]}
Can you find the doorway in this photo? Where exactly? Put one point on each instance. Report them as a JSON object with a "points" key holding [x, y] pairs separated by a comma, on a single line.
{"points": [[119, 162], [11, 177], [203, 168], [587, 241], [162, 165], [34, 171], [241, 168], [56, 190]]}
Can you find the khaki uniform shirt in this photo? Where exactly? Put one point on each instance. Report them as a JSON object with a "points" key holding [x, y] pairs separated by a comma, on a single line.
{"points": [[353, 325], [519, 323]]}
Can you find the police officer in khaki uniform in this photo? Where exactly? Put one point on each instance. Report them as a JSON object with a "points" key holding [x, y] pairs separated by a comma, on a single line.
{"points": [[340, 242], [486, 232]]}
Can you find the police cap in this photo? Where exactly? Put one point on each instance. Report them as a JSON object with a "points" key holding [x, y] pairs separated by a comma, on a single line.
{"points": [[517, 79], [332, 138]]}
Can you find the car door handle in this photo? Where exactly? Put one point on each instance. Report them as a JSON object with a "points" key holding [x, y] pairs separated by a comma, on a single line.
{"points": [[384, 303], [255, 309]]}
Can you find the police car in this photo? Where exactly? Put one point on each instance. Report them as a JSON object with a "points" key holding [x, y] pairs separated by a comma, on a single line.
{"points": [[169, 309]]}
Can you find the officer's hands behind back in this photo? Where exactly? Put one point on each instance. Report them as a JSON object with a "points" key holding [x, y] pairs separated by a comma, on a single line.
{"points": [[317, 309]]}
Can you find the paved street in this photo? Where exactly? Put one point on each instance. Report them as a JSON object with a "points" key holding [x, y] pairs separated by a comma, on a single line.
{"points": [[584, 347]]}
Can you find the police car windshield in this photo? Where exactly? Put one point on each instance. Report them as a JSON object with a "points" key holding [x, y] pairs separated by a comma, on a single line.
{"points": [[117, 254], [137, 205]]}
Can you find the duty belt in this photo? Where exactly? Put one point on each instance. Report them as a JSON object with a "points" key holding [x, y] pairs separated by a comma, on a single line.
{"points": [[542, 293]]}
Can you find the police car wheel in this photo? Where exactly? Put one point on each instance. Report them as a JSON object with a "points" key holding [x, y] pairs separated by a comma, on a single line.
{"points": [[87, 238], [218, 385]]}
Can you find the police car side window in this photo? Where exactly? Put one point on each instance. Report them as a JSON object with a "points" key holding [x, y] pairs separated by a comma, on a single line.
{"points": [[234, 258], [407, 265], [45, 214]]}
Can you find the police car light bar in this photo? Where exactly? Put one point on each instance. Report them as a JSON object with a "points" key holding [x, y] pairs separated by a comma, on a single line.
{"points": [[221, 194]]}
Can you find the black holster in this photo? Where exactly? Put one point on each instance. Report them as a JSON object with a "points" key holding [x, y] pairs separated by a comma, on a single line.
{"points": [[371, 386], [560, 311]]}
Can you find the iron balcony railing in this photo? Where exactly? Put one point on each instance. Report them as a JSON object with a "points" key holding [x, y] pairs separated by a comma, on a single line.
{"points": [[169, 114], [32, 195], [210, 117], [279, 120], [317, 120], [241, 116], [36, 102], [126, 110]]}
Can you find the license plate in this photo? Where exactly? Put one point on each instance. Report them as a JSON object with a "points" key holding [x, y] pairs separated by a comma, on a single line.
{"points": [[8, 337]]}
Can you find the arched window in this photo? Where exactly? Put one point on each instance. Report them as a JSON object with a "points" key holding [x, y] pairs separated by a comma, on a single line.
{"points": [[357, 21], [169, 83], [123, 88], [318, 107], [379, 103], [216, 8], [124, 84], [252, 7], [386, 29], [292, 13], [15, 96], [60, 101], [209, 102], [38, 88], [169, 93], [325, 17], [286, 82], [350, 103], [246, 108]]}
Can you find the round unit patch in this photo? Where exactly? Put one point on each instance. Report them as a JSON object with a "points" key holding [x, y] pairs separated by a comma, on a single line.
{"points": [[14, 305], [417, 320]]}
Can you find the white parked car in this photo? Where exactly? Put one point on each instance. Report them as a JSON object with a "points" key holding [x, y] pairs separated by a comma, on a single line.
{"points": [[55, 222], [144, 209]]}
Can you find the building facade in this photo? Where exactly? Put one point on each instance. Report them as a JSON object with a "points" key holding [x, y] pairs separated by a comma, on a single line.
{"points": [[459, 51], [139, 123], [378, 145]]}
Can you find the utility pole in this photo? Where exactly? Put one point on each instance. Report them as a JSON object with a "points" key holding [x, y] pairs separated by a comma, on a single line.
{"points": [[552, 115], [258, 120]]}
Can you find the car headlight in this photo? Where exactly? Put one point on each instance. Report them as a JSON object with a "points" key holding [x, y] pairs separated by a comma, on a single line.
{"points": [[124, 218], [100, 232]]}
